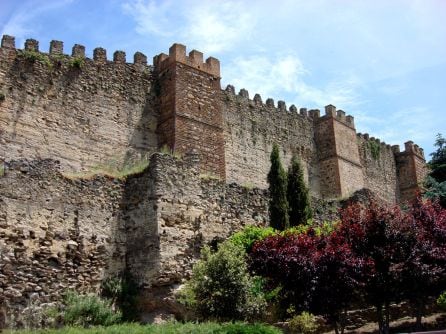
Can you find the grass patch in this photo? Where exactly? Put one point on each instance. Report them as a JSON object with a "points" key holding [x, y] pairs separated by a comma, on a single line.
{"points": [[166, 150], [112, 169], [209, 177], [168, 328]]}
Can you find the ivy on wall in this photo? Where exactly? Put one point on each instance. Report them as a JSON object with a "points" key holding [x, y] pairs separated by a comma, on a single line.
{"points": [[374, 148]]}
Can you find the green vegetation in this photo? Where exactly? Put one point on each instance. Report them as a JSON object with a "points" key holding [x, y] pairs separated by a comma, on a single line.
{"points": [[297, 194], [33, 56], [88, 310], [278, 204], [435, 183], [209, 177], [221, 287], [76, 62], [122, 291], [249, 235], [375, 149], [167, 150], [168, 328], [305, 323], [112, 169], [441, 301]]}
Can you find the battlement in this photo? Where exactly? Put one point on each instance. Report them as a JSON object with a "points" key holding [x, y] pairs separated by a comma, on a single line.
{"points": [[177, 54], [409, 148], [56, 49], [243, 96], [339, 115], [313, 114], [366, 137]]}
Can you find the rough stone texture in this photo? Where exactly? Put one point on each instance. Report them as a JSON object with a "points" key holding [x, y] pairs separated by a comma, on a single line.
{"points": [[56, 233], [82, 117], [192, 210], [380, 174], [60, 233]]}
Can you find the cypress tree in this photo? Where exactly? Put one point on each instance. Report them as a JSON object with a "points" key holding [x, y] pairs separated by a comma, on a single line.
{"points": [[297, 194], [278, 204]]}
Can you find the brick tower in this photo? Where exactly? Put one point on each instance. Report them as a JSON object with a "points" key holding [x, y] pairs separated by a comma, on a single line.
{"points": [[340, 165], [411, 169], [190, 113]]}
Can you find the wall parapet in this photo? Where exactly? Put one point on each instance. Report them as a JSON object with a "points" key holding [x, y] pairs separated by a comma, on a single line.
{"points": [[56, 49], [312, 114]]}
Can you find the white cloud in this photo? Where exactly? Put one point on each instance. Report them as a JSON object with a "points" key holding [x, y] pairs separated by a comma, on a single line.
{"points": [[284, 77], [152, 17], [416, 123], [212, 27], [218, 26]]}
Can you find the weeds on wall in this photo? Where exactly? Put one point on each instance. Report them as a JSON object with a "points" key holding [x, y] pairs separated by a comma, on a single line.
{"points": [[34, 56], [113, 169], [209, 177], [167, 150], [76, 62], [375, 149]]}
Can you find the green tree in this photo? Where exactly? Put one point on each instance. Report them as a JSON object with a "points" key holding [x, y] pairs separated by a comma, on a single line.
{"points": [[297, 194], [435, 183], [278, 203], [438, 162]]}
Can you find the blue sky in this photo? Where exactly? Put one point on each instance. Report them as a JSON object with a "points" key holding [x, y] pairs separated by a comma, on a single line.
{"points": [[384, 62]]}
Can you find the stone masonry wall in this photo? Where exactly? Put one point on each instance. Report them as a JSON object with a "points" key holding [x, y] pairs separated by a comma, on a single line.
{"points": [[59, 232], [251, 128], [56, 233], [379, 168], [82, 112], [192, 210]]}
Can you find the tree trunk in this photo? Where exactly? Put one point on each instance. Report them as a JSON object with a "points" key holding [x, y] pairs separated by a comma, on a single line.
{"points": [[419, 308], [379, 313], [387, 320]]}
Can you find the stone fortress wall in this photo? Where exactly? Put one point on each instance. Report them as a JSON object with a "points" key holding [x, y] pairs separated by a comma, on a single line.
{"points": [[62, 115]]}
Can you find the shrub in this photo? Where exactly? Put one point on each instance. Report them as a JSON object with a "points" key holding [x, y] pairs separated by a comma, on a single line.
{"points": [[122, 291], [88, 310], [441, 301], [249, 235], [305, 323], [221, 287]]}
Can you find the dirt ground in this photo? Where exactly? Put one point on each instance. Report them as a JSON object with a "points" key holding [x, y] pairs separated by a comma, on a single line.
{"points": [[433, 322]]}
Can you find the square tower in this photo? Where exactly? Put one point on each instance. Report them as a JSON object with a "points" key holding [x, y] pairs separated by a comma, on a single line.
{"points": [[190, 113], [340, 164]]}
